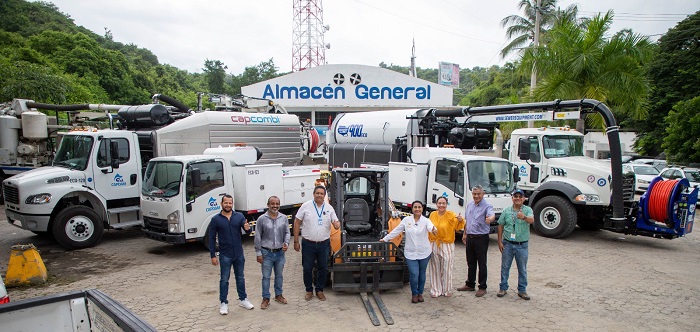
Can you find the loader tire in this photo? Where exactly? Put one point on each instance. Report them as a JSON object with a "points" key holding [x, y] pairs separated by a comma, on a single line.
{"points": [[77, 227], [555, 217]]}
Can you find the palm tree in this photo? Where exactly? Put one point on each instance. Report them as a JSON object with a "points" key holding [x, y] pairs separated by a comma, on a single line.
{"points": [[583, 61], [521, 29]]}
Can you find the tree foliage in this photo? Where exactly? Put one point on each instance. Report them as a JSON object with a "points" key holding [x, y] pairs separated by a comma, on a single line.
{"points": [[681, 142], [582, 61], [675, 72]]}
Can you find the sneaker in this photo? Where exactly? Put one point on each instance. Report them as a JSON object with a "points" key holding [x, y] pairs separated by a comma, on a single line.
{"points": [[246, 304], [524, 296], [502, 293], [480, 292], [224, 309], [466, 288], [265, 303]]}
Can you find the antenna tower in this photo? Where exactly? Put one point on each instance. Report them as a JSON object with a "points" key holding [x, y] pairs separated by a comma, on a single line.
{"points": [[308, 48]]}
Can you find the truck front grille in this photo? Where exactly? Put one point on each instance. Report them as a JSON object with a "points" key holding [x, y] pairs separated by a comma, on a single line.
{"points": [[628, 187], [156, 225], [11, 194]]}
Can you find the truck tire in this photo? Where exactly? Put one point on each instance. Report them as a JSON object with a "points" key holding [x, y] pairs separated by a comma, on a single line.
{"points": [[555, 217], [77, 227]]}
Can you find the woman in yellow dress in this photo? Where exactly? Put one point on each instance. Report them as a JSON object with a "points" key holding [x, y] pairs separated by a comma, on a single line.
{"points": [[443, 246]]}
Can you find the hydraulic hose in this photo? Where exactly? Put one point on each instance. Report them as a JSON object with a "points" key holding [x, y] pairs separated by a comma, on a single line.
{"points": [[172, 101], [658, 205]]}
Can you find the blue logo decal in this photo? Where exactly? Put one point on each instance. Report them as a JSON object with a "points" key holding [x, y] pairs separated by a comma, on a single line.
{"points": [[601, 182], [354, 130], [89, 179], [213, 205], [523, 171], [118, 181]]}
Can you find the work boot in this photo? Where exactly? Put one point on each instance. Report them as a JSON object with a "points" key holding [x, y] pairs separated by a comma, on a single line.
{"points": [[466, 288], [502, 293], [480, 292], [420, 298], [308, 296], [524, 296], [414, 299], [265, 303], [320, 296], [280, 299]]}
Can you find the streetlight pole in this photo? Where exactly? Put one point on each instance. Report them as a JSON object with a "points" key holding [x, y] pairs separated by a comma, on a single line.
{"points": [[533, 77]]}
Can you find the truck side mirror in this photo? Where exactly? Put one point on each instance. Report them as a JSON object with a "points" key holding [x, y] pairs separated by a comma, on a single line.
{"points": [[516, 174], [114, 154], [454, 173], [524, 148]]}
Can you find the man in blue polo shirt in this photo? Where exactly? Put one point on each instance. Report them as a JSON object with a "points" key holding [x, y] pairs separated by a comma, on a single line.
{"points": [[515, 223], [228, 225], [479, 216]]}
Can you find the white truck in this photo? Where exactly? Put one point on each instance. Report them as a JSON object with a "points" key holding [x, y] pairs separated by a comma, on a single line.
{"points": [[181, 194], [94, 182], [435, 172], [564, 187]]}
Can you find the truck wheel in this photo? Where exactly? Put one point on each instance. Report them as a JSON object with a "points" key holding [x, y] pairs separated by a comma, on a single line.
{"points": [[555, 217], [77, 227]]}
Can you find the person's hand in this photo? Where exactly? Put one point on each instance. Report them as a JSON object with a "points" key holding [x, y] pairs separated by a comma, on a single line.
{"points": [[500, 246], [246, 226], [521, 215], [336, 224], [459, 217], [214, 261], [259, 259], [285, 247], [297, 246], [464, 238], [381, 240], [434, 231]]}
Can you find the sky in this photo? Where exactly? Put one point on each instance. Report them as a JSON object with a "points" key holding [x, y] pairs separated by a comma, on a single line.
{"points": [[185, 33]]}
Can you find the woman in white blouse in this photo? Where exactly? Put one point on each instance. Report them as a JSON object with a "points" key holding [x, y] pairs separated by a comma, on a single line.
{"points": [[417, 250]]}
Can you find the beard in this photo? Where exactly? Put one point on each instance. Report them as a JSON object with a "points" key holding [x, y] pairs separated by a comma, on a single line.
{"points": [[227, 209]]}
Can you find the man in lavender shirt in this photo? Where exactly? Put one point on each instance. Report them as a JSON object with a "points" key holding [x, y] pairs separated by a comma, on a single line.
{"points": [[479, 216]]}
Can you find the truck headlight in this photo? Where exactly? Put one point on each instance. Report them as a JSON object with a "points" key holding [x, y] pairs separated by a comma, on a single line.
{"points": [[38, 199], [587, 198], [174, 222]]}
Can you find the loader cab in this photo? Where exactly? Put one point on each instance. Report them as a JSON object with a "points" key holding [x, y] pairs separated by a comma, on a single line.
{"points": [[359, 199]]}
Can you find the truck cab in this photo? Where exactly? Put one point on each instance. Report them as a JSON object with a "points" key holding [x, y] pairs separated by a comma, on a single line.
{"points": [[565, 188], [437, 172], [92, 185]]}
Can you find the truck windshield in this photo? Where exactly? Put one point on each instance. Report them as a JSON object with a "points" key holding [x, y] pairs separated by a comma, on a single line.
{"points": [[562, 146], [162, 179], [495, 176], [74, 152]]}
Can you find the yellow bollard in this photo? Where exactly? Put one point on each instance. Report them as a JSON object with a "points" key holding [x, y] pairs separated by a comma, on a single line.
{"points": [[25, 267]]}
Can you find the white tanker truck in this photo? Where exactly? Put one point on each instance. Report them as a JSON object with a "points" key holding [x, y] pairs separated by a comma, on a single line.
{"points": [[564, 187]]}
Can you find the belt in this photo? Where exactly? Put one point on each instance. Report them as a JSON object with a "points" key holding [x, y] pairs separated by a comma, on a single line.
{"points": [[272, 250], [307, 240], [513, 242], [472, 236]]}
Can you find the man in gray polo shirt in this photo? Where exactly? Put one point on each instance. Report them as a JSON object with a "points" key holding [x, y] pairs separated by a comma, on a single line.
{"points": [[271, 243], [479, 216]]}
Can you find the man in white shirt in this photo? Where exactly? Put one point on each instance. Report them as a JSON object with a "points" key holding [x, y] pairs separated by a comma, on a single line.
{"points": [[316, 217]]}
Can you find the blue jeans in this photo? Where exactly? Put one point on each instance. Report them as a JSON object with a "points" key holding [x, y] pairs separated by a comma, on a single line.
{"points": [[272, 260], [416, 271], [225, 263], [519, 252], [313, 253]]}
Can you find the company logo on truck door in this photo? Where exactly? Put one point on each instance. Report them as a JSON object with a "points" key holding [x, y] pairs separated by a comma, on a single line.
{"points": [[257, 119], [118, 181], [354, 130], [362, 91], [213, 205]]}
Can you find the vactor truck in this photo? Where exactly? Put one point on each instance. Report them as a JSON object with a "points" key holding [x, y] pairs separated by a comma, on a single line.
{"points": [[564, 187], [94, 182]]}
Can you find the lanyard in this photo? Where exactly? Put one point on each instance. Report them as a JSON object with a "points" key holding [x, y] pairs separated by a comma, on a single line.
{"points": [[320, 221]]}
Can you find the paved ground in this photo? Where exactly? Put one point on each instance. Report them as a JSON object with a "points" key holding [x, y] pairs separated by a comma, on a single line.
{"points": [[590, 281]]}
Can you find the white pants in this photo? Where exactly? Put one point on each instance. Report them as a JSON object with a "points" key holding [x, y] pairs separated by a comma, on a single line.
{"points": [[441, 268]]}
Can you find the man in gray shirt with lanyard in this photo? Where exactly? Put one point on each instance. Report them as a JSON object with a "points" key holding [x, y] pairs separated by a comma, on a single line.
{"points": [[476, 236], [315, 217], [271, 243]]}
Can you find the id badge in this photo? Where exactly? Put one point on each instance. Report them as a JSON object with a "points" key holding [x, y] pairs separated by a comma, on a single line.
{"points": [[512, 236], [320, 222]]}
